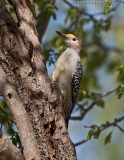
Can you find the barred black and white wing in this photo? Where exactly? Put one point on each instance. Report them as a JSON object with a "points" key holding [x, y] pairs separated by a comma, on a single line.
{"points": [[75, 86], [76, 80]]}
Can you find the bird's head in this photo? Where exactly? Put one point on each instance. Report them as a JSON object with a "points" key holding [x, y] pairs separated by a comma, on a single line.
{"points": [[71, 40]]}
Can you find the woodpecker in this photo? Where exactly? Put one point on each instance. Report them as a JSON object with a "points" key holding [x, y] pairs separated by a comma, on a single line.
{"points": [[68, 73]]}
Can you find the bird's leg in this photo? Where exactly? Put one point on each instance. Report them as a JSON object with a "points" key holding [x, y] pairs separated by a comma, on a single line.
{"points": [[54, 98], [54, 84]]}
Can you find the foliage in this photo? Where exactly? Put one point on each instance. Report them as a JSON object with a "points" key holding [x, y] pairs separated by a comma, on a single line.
{"points": [[8, 125], [120, 91], [108, 138], [107, 7]]}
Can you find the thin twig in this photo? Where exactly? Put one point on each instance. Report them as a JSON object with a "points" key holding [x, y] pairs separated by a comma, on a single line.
{"points": [[108, 48], [122, 130], [68, 3], [93, 14], [103, 127], [94, 102]]}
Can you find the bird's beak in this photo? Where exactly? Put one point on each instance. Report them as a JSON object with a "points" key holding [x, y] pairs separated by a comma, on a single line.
{"points": [[62, 35]]}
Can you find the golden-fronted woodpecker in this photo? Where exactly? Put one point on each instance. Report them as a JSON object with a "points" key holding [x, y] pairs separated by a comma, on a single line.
{"points": [[68, 73]]}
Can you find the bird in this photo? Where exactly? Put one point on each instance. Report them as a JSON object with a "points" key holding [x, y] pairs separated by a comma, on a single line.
{"points": [[67, 73]]}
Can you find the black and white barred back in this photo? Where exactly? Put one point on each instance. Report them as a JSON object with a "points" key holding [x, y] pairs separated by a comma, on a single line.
{"points": [[75, 85], [76, 80]]}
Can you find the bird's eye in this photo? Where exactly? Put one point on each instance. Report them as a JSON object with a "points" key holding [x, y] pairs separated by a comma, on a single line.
{"points": [[74, 39]]}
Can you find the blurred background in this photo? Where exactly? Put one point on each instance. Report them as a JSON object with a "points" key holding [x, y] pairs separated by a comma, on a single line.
{"points": [[100, 25]]}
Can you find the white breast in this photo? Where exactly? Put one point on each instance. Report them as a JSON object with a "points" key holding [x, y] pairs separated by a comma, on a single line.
{"points": [[65, 66]]}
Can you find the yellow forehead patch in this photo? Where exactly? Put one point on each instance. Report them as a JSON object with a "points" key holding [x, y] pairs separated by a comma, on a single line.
{"points": [[68, 35]]}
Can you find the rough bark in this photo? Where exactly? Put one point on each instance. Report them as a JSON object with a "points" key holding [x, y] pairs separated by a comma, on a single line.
{"points": [[28, 87], [8, 150], [30, 148]]}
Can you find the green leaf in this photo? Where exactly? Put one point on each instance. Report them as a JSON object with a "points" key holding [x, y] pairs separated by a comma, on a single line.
{"points": [[107, 7], [108, 138], [101, 104], [120, 95], [15, 139], [71, 14], [120, 75], [54, 15], [120, 91], [90, 133], [97, 133]]}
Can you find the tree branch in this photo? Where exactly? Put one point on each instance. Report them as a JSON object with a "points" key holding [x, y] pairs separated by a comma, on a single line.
{"points": [[68, 3], [8, 150], [122, 130], [94, 14], [108, 124], [44, 17], [18, 111], [100, 96], [82, 12], [101, 128]]}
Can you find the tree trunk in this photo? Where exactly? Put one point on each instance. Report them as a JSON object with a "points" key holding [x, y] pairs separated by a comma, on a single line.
{"points": [[27, 88]]}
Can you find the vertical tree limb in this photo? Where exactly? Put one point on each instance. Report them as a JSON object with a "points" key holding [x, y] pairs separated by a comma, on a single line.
{"points": [[8, 150], [21, 118]]}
